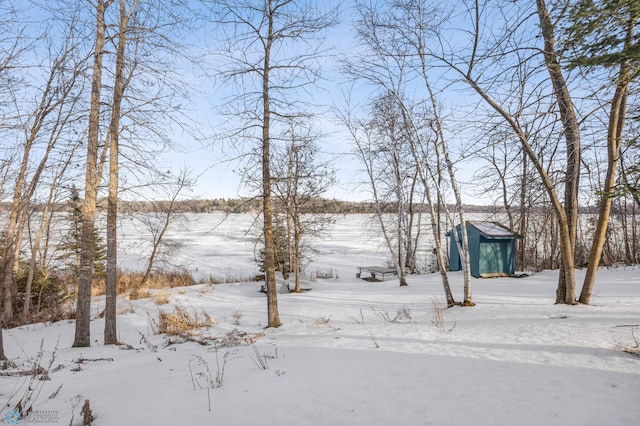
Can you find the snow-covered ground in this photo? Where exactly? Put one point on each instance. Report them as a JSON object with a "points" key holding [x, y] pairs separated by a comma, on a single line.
{"points": [[349, 352]]}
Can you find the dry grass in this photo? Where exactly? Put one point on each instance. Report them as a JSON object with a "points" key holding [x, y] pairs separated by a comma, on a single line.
{"points": [[181, 322], [131, 283], [161, 297], [228, 277]]}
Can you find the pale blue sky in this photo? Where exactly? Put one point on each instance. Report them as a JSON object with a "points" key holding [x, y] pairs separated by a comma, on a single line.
{"points": [[214, 166]]}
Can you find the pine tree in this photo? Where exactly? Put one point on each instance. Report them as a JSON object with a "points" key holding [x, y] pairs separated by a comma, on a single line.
{"points": [[72, 242]]}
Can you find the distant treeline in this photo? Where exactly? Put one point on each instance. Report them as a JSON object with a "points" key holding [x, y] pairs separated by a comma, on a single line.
{"points": [[254, 205]]}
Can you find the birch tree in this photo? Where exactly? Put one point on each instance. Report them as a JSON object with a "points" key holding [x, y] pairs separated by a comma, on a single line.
{"points": [[504, 71], [395, 34], [380, 143]]}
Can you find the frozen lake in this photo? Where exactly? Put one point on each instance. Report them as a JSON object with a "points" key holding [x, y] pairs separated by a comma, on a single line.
{"points": [[222, 246]]}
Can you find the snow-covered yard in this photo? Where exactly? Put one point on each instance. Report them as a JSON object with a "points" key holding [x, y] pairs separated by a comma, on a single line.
{"points": [[350, 352]]}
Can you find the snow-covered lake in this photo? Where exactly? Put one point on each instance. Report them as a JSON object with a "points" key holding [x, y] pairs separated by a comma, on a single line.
{"points": [[219, 245]]}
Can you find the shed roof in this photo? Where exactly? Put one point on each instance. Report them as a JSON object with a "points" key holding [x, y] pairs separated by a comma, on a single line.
{"points": [[492, 230]]}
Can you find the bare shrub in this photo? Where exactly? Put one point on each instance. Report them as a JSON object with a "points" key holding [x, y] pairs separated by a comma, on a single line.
{"points": [[402, 314], [62, 312], [30, 388], [325, 274], [237, 338], [324, 322], [201, 376], [229, 277], [438, 316], [236, 315], [634, 348], [261, 360], [361, 320]]}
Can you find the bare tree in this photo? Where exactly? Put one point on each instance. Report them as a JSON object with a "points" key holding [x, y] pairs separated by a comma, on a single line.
{"points": [[500, 76], [164, 214], [137, 47], [42, 233], [119, 87], [273, 52], [83, 309], [381, 146], [566, 292], [396, 35], [300, 179], [41, 128]]}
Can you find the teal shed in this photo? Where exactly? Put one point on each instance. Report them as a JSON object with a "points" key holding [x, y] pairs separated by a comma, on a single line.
{"points": [[492, 249]]}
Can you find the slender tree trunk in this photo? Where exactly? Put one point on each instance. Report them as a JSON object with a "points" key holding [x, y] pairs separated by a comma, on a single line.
{"points": [[83, 307], [523, 219], [615, 128], [110, 329], [296, 262], [438, 242], [2, 355], [44, 224], [466, 261], [400, 212], [269, 247], [411, 242], [566, 292], [434, 208]]}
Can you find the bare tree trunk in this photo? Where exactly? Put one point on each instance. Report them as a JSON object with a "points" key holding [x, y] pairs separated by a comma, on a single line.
{"points": [[435, 218], [523, 219], [119, 86], [2, 355], [44, 224], [269, 247], [566, 292], [296, 258], [615, 128], [269, 29], [83, 307], [465, 258], [19, 205], [410, 257], [400, 212], [630, 228]]}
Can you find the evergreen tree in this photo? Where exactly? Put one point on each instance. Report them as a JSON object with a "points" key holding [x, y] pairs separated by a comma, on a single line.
{"points": [[71, 243]]}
